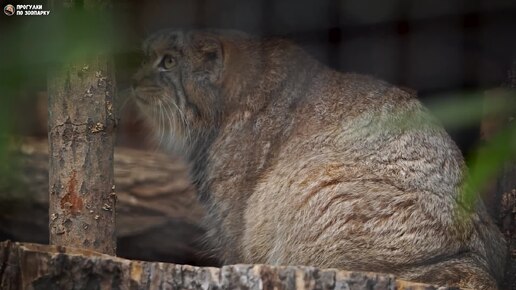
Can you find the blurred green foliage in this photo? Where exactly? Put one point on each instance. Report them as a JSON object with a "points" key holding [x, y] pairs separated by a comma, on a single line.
{"points": [[489, 158], [31, 46]]}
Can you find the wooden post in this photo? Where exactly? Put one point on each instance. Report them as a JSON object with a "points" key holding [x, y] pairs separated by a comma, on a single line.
{"points": [[81, 137]]}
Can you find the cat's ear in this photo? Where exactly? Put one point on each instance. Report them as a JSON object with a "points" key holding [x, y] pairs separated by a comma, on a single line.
{"points": [[209, 54]]}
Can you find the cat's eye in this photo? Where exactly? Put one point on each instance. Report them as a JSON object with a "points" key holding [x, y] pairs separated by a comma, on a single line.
{"points": [[168, 62]]}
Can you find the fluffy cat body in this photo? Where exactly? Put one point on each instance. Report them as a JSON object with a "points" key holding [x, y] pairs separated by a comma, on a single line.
{"points": [[299, 164]]}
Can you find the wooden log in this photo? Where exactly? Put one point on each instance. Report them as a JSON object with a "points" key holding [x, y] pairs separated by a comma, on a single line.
{"points": [[33, 266], [158, 216]]}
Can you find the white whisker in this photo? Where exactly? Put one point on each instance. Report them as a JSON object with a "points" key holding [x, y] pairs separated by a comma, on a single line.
{"points": [[161, 119], [187, 125], [171, 122], [155, 133]]}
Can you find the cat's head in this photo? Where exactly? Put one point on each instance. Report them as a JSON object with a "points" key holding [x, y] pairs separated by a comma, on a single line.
{"points": [[178, 86]]}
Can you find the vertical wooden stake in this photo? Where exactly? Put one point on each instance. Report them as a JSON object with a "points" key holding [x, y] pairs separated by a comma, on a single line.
{"points": [[81, 138]]}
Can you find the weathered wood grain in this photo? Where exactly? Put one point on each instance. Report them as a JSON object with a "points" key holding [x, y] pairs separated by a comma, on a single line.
{"points": [[38, 267]]}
